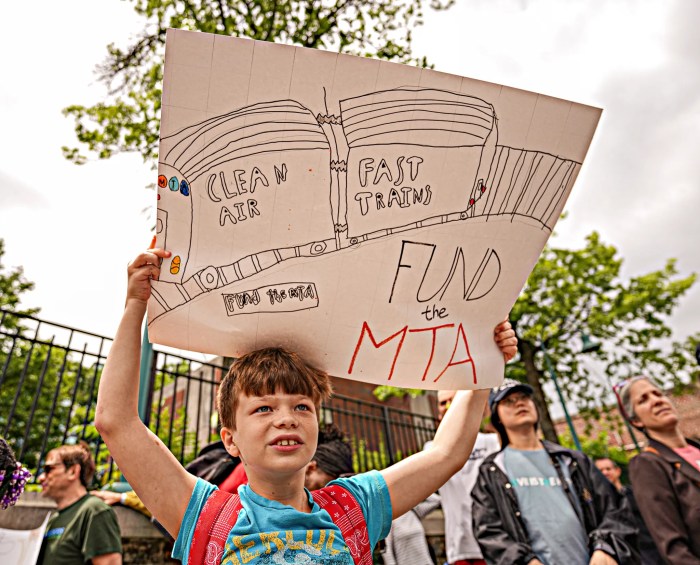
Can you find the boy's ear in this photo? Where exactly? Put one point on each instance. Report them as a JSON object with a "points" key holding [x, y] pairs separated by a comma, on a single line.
{"points": [[229, 444], [311, 467]]}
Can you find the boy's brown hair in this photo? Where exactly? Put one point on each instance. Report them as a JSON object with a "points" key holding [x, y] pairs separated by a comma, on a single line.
{"points": [[78, 454], [266, 371]]}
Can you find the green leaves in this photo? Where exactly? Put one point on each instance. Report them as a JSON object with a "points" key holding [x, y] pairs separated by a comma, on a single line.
{"points": [[575, 292], [12, 285], [128, 120]]}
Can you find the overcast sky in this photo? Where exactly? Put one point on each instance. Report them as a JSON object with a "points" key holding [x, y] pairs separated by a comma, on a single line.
{"points": [[73, 229]]}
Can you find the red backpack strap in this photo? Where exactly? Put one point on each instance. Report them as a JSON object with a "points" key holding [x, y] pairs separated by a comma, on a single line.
{"points": [[346, 513], [215, 522]]}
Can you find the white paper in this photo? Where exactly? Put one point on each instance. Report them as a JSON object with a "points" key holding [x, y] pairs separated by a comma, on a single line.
{"points": [[22, 547], [377, 218]]}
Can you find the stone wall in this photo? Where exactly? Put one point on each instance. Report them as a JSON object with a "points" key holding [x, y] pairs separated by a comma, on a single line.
{"points": [[142, 542]]}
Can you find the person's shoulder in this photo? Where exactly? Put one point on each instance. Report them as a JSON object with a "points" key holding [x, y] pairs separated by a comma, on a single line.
{"points": [[96, 504], [489, 440], [489, 460], [372, 479], [366, 488], [556, 449], [648, 458], [93, 506]]}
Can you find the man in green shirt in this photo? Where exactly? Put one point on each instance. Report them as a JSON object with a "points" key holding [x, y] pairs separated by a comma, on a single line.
{"points": [[85, 529]]}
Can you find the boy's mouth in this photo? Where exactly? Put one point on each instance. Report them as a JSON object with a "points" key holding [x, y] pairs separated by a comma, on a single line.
{"points": [[287, 441]]}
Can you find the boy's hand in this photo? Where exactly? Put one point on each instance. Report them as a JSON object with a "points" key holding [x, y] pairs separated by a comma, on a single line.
{"points": [[504, 336], [141, 270]]}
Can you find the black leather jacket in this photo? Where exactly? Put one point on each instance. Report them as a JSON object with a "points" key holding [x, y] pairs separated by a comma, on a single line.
{"points": [[501, 532], [667, 489]]}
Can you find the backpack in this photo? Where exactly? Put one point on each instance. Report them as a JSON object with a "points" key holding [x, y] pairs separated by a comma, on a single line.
{"points": [[213, 463], [221, 510]]}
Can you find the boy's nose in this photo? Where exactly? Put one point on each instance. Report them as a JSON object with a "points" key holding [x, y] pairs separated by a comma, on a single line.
{"points": [[287, 419]]}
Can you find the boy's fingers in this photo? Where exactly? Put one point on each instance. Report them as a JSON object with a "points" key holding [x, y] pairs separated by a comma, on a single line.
{"points": [[142, 265], [153, 272], [507, 336], [150, 257], [503, 326]]}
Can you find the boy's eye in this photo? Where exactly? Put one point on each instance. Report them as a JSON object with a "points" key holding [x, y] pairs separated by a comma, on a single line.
{"points": [[303, 407], [263, 409]]}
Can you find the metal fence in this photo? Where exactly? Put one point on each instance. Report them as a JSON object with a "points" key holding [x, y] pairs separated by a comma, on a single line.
{"points": [[48, 389]]}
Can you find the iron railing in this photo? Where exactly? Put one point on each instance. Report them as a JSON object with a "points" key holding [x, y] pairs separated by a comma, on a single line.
{"points": [[48, 388]]}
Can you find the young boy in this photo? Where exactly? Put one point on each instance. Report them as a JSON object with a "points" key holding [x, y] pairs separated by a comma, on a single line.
{"points": [[268, 407]]}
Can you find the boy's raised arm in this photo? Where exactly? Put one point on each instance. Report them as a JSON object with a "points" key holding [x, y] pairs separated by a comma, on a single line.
{"points": [[151, 469], [413, 479]]}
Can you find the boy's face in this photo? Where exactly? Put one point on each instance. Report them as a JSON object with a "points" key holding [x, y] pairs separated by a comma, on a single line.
{"points": [[275, 433]]}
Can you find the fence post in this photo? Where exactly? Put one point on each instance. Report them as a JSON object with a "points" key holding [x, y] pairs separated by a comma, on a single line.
{"points": [[387, 433], [145, 375]]}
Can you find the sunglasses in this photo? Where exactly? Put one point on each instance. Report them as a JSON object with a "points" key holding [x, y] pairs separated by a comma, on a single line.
{"points": [[48, 468]]}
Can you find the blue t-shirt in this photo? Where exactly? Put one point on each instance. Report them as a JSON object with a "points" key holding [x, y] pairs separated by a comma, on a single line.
{"points": [[268, 532], [552, 523]]}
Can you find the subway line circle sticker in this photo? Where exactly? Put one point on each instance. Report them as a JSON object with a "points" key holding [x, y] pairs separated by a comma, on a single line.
{"points": [[162, 181], [174, 184]]}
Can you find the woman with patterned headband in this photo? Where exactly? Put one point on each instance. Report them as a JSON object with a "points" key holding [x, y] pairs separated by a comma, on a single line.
{"points": [[666, 475]]}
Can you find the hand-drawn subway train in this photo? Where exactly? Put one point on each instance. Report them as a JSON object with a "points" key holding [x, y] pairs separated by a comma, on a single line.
{"points": [[276, 182]]}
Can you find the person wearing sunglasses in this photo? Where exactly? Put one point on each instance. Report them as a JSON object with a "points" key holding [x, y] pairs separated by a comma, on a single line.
{"points": [[666, 475], [85, 529]]}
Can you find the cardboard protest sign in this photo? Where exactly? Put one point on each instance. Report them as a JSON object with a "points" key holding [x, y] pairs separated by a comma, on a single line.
{"points": [[380, 219]]}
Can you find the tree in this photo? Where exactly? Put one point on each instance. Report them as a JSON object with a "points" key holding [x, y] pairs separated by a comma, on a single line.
{"points": [[43, 389], [129, 120], [12, 286], [575, 292]]}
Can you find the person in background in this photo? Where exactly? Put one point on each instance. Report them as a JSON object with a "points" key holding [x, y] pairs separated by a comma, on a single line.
{"points": [[461, 546], [666, 475], [647, 548], [611, 471], [406, 543], [85, 529], [536, 502], [332, 460]]}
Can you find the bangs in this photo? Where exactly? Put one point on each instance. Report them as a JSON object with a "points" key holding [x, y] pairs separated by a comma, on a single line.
{"points": [[279, 373], [266, 372]]}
